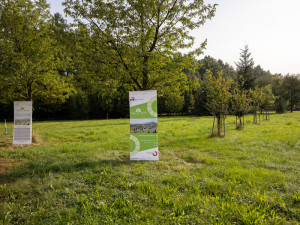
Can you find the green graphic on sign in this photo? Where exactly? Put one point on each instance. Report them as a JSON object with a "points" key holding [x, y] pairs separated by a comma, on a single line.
{"points": [[141, 142], [145, 110], [143, 125]]}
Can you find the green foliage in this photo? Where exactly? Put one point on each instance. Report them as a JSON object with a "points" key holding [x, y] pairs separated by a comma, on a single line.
{"points": [[66, 60], [113, 47], [218, 93], [189, 94], [201, 95], [80, 173], [245, 75], [27, 61], [240, 103], [77, 107], [188, 102], [287, 92], [256, 96], [280, 102], [174, 103], [209, 63], [280, 105], [262, 77], [291, 90], [268, 97], [200, 107], [141, 39]]}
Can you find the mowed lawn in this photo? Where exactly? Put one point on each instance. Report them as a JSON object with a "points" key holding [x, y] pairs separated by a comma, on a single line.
{"points": [[79, 172]]}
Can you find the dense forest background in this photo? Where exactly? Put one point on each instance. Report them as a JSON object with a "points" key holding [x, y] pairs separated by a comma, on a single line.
{"points": [[85, 69]]}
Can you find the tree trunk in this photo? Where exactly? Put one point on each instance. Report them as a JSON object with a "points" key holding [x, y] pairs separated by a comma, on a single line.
{"points": [[224, 125], [219, 125], [212, 131], [29, 93], [255, 117], [291, 102], [145, 73]]}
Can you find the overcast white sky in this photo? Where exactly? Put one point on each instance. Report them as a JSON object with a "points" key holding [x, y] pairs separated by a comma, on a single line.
{"points": [[271, 29]]}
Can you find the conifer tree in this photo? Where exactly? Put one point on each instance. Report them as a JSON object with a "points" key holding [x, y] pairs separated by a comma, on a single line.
{"points": [[245, 75]]}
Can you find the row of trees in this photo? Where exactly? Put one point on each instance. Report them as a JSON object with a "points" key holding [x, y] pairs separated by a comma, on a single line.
{"points": [[85, 69], [226, 96], [246, 89]]}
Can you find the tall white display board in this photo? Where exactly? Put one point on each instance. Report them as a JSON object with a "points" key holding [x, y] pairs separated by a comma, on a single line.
{"points": [[143, 125], [22, 123]]}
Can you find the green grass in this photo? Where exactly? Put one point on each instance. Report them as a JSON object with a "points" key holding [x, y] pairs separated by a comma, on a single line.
{"points": [[79, 172]]}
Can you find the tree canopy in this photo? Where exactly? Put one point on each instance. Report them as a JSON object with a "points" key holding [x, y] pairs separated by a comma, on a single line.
{"points": [[28, 61], [142, 38]]}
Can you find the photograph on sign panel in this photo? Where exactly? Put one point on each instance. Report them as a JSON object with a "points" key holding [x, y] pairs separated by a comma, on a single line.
{"points": [[143, 125], [22, 119]]}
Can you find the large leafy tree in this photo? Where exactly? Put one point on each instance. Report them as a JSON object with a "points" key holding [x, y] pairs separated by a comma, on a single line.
{"points": [[141, 39], [28, 54], [245, 73]]}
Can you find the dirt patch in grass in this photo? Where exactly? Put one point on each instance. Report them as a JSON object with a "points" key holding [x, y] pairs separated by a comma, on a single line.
{"points": [[123, 158], [5, 164], [36, 139], [7, 143]]}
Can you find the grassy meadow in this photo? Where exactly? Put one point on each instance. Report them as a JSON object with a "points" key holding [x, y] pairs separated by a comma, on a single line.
{"points": [[79, 172]]}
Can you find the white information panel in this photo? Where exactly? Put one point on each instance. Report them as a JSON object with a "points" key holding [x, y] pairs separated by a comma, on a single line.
{"points": [[22, 123], [143, 125]]}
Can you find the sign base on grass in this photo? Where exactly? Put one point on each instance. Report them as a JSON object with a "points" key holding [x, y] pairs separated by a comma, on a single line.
{"points": [[143, 125]]}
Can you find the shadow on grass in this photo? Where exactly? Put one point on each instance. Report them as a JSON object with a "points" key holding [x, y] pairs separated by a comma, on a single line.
{"points": [[40, 169]]}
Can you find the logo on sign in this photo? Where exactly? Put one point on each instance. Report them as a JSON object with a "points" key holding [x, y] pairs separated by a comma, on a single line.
{"points": [[132, 99]]}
